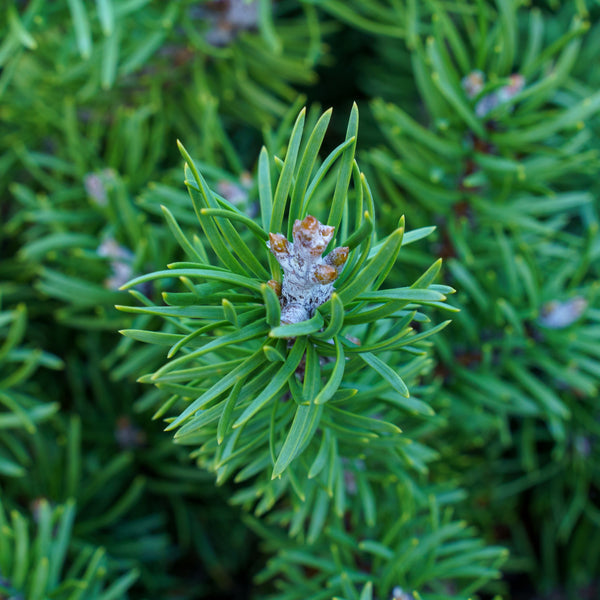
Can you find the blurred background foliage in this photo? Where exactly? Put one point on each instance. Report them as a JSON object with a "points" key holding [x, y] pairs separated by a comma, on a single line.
{"points": [[480, 117]]}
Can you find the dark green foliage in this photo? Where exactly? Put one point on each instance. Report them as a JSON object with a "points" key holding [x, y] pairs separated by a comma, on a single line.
{"points": [[425, 549], [507, 179], [92, 97], [479, 124], [33, 567], [20, 397]]}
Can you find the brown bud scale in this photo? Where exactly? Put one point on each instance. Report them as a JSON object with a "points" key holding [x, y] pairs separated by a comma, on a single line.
{"points": [[278, 244], [325, 274], [275, 286]]}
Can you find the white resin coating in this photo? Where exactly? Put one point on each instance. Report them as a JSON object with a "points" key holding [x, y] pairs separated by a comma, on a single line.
{"points": [[307, 276]]}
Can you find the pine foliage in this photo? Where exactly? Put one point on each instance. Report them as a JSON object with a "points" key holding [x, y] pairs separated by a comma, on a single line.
{"points": [[389, 439]]}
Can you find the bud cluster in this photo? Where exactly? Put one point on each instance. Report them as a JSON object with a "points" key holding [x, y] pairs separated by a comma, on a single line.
{"points": [[307, 276]]}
